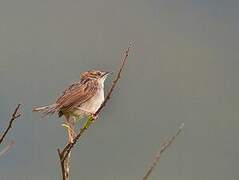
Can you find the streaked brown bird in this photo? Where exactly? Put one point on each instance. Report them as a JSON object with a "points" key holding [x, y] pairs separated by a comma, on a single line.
{"points": [[80, 99]]}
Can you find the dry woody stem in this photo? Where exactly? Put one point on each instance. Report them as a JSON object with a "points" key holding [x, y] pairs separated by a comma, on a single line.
{"points": [[163, 147], [7, 148], [64, 155], [15, 115]]}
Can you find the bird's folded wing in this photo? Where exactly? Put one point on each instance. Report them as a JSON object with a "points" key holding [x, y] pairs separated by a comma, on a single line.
{"points": [[76, 95]]}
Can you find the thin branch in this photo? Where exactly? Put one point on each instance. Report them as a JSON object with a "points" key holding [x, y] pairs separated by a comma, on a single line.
{"points": [[164, 147], [115, 81], [67, 149], [7, 148], [15, 115], [70, 145], [63, 172]]}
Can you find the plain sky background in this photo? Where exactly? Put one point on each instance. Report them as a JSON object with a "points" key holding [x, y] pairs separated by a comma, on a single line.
{"points": [[183, 68]]}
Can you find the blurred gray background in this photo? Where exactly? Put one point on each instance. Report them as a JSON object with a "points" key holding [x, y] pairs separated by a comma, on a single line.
{"points": [[183, 68]]}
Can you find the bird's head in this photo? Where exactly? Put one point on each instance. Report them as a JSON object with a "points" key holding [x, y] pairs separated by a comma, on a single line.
{"points": [[94, 74]]}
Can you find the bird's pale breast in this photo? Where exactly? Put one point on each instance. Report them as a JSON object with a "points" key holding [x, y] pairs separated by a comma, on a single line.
{"points": [[92, 105]]}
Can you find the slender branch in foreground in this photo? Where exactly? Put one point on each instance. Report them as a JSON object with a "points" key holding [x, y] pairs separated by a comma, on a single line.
{"points": [[65, 176], [64, 154], [6, 149], [15, 115], [163, 147], [115, 81]]}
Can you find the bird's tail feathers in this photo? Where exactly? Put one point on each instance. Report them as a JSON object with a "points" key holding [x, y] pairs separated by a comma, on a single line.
{"points": [[46, 110]]}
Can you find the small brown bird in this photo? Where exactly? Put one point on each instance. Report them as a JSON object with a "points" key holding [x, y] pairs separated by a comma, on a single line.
{"points": [[80, 99]]}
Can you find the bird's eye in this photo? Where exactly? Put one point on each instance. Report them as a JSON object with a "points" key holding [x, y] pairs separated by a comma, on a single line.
{"points": [[98, 73]]}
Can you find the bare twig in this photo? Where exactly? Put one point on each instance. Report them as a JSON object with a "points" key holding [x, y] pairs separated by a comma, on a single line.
{"points": [[163, 147], [70, 145], [7, 148], [15, 115], [64, 172], [64, 154], [115, 81]]}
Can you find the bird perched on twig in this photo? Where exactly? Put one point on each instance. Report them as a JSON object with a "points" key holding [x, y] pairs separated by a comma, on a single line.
{"points": [[80, 99]]}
